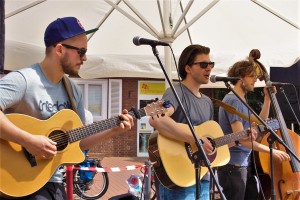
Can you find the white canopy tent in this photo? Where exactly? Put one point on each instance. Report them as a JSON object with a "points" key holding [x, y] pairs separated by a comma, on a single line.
{"points": [[231, 28]]}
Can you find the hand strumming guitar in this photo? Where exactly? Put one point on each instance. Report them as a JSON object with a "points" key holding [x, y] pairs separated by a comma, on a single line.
{"points": [[37, 145]]}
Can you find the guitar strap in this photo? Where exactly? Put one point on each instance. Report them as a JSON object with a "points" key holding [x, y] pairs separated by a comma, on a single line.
{"points": [[68, 87], [232, 110]]}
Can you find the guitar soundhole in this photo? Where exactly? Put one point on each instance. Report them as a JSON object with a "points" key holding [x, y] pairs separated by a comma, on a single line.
{"points": [[60, 138]]}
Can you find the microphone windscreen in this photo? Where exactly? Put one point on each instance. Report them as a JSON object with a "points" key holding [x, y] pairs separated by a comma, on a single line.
{"points": [[136, 40]]}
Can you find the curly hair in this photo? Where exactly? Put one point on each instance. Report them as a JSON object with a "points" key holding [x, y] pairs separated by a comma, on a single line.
{"points": [[241, 69], [188, 56]]}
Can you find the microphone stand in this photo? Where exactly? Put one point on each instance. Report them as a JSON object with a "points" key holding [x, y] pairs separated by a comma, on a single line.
{"points": [[271, 139], [282, 91], [200, 154]]}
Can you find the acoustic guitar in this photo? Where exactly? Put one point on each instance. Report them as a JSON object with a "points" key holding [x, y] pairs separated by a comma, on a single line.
{"points": [[173, 166], [22, 174]]}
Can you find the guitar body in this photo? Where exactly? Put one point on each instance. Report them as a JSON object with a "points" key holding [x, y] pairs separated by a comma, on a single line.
{"points": [[174, 158], [17, 177]]}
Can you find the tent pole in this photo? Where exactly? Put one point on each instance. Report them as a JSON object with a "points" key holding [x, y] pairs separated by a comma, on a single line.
{"points": [[264, 6], [167, 51]]}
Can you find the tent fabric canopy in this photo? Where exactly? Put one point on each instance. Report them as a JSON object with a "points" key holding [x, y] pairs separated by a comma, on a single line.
{"points": [[231, 28]]}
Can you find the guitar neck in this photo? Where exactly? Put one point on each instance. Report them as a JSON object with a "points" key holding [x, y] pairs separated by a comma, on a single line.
{"points": [[96, 127], [226, 139]]}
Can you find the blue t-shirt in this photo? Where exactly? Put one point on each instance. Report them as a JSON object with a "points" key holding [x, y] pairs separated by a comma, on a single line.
{"points": [[238, 154]]}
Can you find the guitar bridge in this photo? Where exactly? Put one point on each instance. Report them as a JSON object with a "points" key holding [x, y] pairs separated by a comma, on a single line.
{"points": [[31, 158]]}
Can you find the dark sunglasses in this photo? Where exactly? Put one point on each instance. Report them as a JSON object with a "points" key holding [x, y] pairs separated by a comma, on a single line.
{"points": [[80, 51], [204, 65]]}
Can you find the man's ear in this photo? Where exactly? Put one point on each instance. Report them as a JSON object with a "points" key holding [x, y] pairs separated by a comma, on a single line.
{"points": [[58, 50], [187, 69]]}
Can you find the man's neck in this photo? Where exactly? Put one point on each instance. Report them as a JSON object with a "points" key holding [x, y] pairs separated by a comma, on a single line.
{"points": [[194, 88], [240, 90], [51, 71]]}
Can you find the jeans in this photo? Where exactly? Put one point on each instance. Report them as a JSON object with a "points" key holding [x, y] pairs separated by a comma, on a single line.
{"points": [[187, 193]]}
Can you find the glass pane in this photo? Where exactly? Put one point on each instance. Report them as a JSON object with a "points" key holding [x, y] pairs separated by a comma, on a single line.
{"points": [[143, 142], [95, 99], [116, 98]]}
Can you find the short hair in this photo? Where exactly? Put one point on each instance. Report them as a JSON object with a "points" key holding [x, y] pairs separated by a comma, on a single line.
{"points": [[188, 56], [241, 69]]}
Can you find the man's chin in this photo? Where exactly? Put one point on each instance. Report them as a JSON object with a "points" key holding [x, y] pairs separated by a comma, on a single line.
{"points": [[204, 82], [73, 73], [251, 89]]}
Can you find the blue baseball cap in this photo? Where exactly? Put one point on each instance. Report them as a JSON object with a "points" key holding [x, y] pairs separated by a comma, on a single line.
{"points": [[62, 29]]}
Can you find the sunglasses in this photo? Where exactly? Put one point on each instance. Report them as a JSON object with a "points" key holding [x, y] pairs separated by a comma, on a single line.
{"points": [[80, 51], [204, 65]]}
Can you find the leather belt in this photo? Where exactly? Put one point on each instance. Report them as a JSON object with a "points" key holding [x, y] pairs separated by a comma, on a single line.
{"points": [[232, 166]]}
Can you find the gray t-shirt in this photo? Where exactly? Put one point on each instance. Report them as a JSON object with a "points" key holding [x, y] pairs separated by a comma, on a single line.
{"points": [[199, 109], [27, 91]]}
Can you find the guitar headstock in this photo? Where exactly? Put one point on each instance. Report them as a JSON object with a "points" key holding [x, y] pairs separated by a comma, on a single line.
{"points": [[157, 107], [272, 124]]}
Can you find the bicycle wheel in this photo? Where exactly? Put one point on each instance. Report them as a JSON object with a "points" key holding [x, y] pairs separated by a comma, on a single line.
{"points": [[93, 189]]}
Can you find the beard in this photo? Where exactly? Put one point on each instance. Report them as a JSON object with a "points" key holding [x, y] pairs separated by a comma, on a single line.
{"points": [[68, 66], [249, 88]]}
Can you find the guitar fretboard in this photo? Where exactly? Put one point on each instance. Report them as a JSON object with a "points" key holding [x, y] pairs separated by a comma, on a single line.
{"points": [[226, 139], [96, 127]]}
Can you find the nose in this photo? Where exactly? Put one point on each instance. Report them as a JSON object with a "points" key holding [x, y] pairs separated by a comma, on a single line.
{"points": [[209, 67], [84, 58]]}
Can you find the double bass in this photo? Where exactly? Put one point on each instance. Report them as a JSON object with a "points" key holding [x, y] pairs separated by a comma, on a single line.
{"points": [[286, 177]]}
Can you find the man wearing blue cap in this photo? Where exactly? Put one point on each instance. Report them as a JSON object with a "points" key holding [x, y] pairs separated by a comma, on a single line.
{"points": [[38, 91]]}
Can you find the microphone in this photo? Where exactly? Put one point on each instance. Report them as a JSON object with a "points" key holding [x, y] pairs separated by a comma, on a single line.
{"points": [[269, 84], [137, 40], [215, 78]]}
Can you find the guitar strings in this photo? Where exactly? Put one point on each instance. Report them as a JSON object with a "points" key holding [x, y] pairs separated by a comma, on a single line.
{"points": [[64, 137]]}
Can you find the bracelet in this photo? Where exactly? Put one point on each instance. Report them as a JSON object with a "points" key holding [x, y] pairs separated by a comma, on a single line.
{"points": [[237, 143]]}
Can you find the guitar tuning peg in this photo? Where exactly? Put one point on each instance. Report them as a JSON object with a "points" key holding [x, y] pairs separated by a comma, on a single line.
{"points": [[167, 104]]}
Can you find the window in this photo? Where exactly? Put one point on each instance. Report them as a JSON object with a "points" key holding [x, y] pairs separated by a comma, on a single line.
{"points": [[147, 91], [95, 96], [102, 97]]}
